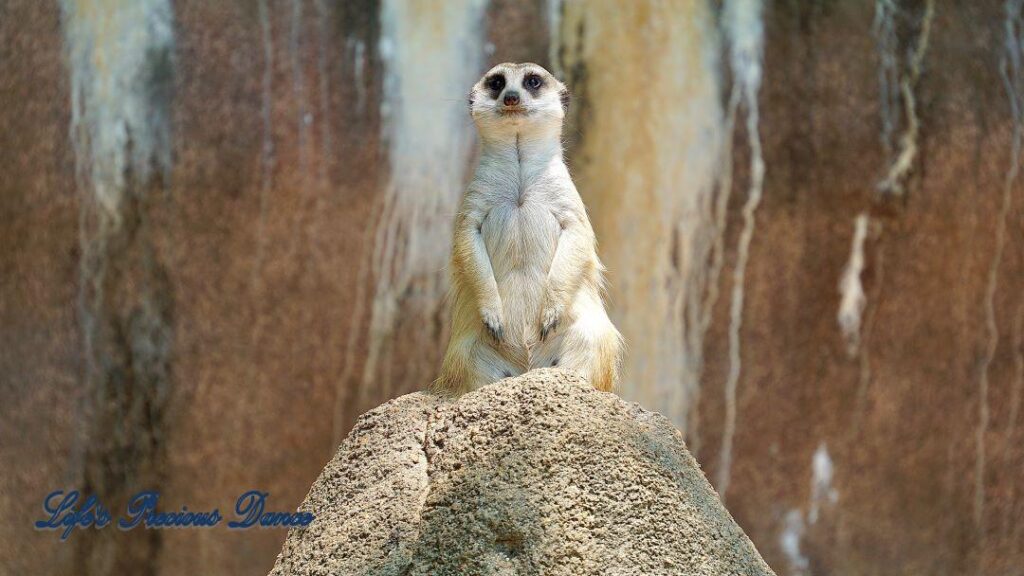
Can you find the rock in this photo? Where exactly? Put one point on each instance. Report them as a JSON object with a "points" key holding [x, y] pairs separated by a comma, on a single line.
{"points": [[539, 474]]}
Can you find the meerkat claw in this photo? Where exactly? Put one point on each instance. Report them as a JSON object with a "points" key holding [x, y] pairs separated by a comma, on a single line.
{"points": [[549, 324], [494, 329]]}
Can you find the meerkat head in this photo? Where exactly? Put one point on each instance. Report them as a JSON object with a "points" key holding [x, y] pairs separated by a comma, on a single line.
{"points": [[513, 98]]}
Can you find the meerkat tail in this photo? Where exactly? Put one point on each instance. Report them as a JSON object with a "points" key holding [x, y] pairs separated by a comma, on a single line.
{"points": [[608, 362]]}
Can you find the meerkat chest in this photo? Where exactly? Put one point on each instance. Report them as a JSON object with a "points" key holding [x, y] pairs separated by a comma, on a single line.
{"points": [[521, 229]]}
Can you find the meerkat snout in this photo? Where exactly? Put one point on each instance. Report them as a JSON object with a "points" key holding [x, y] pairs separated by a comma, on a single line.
{"points": [[511, 98]]}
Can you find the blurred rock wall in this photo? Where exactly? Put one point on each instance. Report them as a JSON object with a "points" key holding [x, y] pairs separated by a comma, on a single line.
{"points": [[224, 227]]}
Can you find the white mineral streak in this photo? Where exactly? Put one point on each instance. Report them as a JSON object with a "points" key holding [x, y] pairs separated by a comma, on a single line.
{"points": [[117, 49], [648, 178], [864, 351], [790, 537], [1010, 69], [823, 494], [554, 21], [120, 59], [357, 48], [430, 51], [893, 182], [796, 523], [888, 71], [744, 31], [852, 298]]}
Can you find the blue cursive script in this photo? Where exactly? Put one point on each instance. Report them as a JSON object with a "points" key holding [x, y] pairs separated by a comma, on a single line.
{"points": [[65, 514], [67, 510], [250, 508], [142, 509]]}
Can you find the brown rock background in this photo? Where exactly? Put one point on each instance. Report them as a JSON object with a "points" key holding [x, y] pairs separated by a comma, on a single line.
{"points": [[223, 228]]}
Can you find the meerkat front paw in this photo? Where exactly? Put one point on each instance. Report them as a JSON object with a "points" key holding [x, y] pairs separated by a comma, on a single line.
{"points": [[549, 319], [491, 318]]}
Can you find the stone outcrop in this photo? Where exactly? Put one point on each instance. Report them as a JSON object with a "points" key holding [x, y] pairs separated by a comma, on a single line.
{"points": [[539, 474]]}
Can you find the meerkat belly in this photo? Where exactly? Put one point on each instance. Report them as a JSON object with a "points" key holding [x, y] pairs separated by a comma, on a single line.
{"points": [[521, 242]]}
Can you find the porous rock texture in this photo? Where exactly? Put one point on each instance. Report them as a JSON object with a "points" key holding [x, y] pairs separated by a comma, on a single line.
{"points": [[539, 474]]}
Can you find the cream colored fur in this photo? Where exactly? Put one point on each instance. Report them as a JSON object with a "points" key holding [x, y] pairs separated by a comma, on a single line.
{"points": [[526, 281]]}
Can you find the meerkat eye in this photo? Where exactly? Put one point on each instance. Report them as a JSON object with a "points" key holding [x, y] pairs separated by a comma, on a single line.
{"points": [[532, 82], [495, 83]]}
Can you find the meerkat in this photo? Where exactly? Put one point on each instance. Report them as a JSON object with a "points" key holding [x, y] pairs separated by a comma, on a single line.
{"points": [[526, 282]]}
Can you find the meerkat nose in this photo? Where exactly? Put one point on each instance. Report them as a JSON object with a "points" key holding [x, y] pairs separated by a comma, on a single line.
{"points": [[511, 98]]}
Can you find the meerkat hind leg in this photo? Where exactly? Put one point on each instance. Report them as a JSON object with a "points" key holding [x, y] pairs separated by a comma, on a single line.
{"points": [[470, 364], [591, 351]]}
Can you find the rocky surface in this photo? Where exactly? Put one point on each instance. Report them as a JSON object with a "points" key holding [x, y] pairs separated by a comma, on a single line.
{"points": [[539, 474]]}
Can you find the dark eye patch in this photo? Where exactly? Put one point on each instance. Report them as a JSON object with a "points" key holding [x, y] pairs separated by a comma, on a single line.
{"points": [[495, 84], [532, 82]]}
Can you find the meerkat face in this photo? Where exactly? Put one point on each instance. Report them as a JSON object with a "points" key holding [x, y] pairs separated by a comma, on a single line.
{"points": [[518, 96]]}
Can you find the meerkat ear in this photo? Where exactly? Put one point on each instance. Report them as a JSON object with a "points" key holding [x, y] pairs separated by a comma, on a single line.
{"points": [[565, 97], [470, 100]]}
